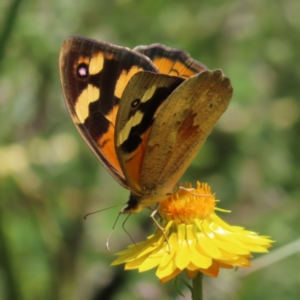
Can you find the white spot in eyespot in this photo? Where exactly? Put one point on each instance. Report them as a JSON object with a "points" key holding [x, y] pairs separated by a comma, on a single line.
{"points": [[135, 103], [82, 71]]}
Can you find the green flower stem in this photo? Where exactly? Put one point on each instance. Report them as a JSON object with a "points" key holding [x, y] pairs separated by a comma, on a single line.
{"points": [[197, 287]]}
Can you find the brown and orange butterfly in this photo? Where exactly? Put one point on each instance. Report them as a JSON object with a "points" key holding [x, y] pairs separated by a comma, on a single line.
{"points": [[145, 112]]}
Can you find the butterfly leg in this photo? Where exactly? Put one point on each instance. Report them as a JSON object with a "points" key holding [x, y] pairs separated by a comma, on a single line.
{"points": [[190, 190], [161, 228], [181, 187]]}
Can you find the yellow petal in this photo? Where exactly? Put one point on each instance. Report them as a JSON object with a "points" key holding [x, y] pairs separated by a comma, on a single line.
{"points": [[208, 246], [230, 247], [149, 263], [196, 257], [166, 270], [135, 264], [192, 267], [164, 279], [183, 256]]}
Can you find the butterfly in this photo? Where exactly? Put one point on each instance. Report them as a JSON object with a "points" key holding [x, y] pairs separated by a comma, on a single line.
{"points": [[145, 112]]}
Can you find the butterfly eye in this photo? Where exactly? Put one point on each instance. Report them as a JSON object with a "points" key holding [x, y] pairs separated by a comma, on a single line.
{"points": [[82, 71], [135, 103]]}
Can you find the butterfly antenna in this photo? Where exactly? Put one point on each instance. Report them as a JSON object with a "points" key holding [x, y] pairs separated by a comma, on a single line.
{"points": [[94, 212]]}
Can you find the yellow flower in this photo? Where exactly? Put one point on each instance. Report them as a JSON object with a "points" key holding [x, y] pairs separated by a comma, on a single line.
{"points": [[194, 239]]}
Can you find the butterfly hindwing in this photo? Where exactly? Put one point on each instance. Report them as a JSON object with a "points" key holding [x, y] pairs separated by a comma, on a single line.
{"points": [[171, 61], [94, 76]]}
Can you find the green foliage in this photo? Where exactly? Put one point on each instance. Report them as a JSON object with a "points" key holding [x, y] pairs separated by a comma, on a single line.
{"points": [[49, 179]]}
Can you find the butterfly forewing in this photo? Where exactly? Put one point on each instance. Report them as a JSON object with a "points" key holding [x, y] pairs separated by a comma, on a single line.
{"points": [[181, 127], [94, 76], [141, 102], [171, 61]]}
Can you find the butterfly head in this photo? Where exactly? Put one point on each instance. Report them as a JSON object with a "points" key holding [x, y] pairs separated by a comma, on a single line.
{"points": [[149, 197], [133, 205]]}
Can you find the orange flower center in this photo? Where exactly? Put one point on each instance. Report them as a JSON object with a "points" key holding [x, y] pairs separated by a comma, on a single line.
{"points": [[188, 204]]}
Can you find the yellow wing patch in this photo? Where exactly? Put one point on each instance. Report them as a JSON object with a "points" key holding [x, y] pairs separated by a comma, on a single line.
{"points": [[89, 95], [96, 63], [124, 79]]}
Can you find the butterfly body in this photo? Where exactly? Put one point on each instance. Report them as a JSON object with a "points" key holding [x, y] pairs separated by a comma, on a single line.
{"points": [[145, 113]]}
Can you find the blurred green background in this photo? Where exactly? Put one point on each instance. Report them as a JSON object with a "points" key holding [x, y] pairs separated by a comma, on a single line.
{"points": [[49, 179]]}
